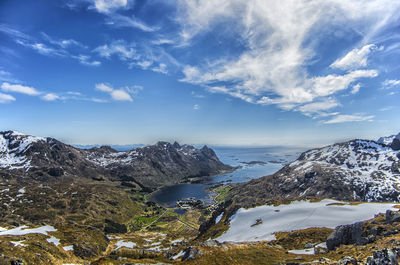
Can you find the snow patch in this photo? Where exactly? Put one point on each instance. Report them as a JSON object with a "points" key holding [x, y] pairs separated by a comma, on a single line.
{"points": [[307, 251], [295, 216], [69, 248], [122, 243], [23, 230], [18, 243], [53, 240], [219, 218]]}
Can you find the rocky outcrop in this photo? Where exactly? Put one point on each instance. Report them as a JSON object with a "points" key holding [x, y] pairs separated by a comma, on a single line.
{"points": [[348, 234], [147, 167], [384, 257], [392, 216], [191, 253]]}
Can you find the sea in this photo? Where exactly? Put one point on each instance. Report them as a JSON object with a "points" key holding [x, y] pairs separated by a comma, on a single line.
{"points": [[253, 162]]}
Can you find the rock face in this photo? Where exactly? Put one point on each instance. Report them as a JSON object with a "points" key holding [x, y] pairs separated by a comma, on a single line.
{"points": [[150, 166], [348, 234], [392, 216], [384, 257], [358, 170]]}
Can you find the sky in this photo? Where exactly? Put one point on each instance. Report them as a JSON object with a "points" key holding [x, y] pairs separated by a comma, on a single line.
{"points": [[238, 72]]}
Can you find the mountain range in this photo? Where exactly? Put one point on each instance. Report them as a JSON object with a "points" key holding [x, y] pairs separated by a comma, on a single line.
{"points": [[148, 167]]}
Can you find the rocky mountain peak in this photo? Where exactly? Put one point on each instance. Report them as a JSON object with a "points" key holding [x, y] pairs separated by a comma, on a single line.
{"points": [[362, 170], [393, 141], [395, 145], [150, 166]]}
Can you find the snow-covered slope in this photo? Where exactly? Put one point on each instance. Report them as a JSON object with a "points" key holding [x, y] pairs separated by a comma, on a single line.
{"points": [[365, 164], [386, 140], [355, 170], [295, 216], [12, 149]]}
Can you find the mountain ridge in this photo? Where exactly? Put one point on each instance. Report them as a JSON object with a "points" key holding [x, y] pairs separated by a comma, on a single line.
{"points": [[149, 166], [356, 170]]}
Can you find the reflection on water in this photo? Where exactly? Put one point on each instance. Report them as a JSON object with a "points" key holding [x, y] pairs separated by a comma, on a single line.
{"points": [[170, 194], [273, 157], [180, 211]]}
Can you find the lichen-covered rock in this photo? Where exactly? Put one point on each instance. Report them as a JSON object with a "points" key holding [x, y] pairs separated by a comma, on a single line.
{"points": [[347, 261], [348, 234], [191, 253], [384, 257], [392, 216]]}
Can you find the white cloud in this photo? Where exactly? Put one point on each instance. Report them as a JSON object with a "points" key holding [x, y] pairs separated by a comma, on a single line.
{"points": [[52, 47], [122, 94], [19, 89], [50, 97], [143, 64], [63, 43], [104, 87], [107, 6], [85, 60], [390, 83], [125, 21], [356, 88], [317, 107], [196, 107], [7, 77], [330, 84], [194, 94], [272, 69], [162, 41], [119, 48], [349, 118], [355, 58], [98, 100], [388, 108], [5, 98], [161, 68], [44, 49], [74, 93]]}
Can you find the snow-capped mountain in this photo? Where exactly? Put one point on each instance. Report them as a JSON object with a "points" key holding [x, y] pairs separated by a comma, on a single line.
{"points": [[13, 146], [386, 140], [355, 170], [150, 166]]}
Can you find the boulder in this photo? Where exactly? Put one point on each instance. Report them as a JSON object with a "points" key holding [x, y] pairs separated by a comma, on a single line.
{"points": [[348, 234], [191, 253], [392, 216], [384, 257], [347, 261], [211, 243]]}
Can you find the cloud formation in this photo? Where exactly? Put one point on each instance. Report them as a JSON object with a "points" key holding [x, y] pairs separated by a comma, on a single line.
{"points": [[349, 118], [49, 46], [50, 97], [7, 87], [5, 98], [390, 83], [272, 69], [354, 59], [122, 94]]}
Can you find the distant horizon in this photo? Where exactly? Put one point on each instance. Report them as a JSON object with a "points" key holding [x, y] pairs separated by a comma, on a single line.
{"points": [[255, 145], [243, 73]]}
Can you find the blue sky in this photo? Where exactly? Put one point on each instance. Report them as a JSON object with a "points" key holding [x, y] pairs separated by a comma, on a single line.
{"points": [[238, 72]]}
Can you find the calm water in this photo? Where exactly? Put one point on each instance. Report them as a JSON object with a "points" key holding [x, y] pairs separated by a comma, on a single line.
{"points": [[274, 158]]}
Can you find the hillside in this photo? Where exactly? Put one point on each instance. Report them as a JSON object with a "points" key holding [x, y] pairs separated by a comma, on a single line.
{"points": [[147, 167], [357, 170]]}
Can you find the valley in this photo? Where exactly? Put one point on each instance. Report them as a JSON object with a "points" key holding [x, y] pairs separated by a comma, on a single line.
{"points": [[102, 218]]}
